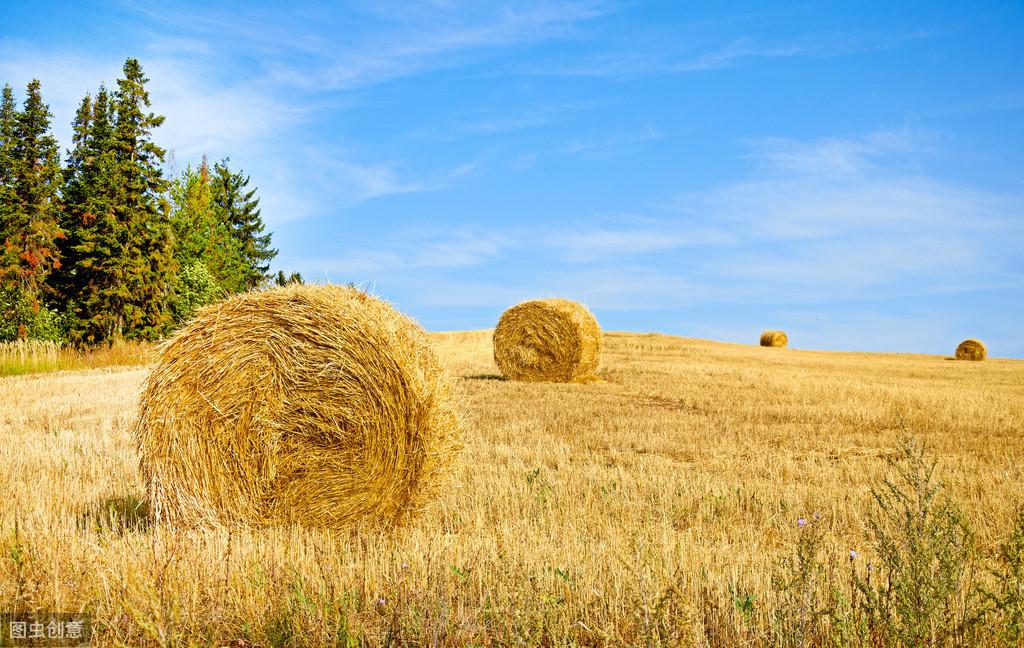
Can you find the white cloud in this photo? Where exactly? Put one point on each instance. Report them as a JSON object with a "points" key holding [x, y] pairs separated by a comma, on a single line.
{"points": [[831, 216], [65, 79], [343, 48], [594, 245], [415, 249], [205, 115]]}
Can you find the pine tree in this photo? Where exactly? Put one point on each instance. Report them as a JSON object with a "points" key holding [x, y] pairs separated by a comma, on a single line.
{"points": [[7, 113], [242, 214], [149, 267], [294, 278], [65, 283], [93, 288], [203, 238], [31, 212], [10, 296]]}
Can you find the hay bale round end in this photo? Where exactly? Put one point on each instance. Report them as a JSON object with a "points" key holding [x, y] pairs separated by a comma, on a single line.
{"points": [[316, 405], [774, 339], [548, 340], [971, 349]]}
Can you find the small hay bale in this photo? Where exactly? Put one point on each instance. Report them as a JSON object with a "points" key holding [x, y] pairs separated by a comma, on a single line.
{"points": [[774, 339], [548, 340], [971, 349], [316, 405]]}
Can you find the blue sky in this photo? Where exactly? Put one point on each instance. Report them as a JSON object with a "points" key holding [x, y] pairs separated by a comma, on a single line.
{"points": [[851, 173]]}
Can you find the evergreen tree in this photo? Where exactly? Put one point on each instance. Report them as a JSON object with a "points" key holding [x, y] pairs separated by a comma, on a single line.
{"points": [[202, 237], [294, 278], [149, 267], [30, 218], [7, 113], [93, 291], [242, 214], [11, 299]]}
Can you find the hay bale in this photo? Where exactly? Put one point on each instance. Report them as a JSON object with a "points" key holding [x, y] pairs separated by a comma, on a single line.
{"points": [[548, 340], [317, 405], [774, 339], [971, 349]]}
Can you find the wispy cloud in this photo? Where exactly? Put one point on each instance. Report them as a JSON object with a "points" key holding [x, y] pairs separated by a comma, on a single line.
{"points": [[731, 53], [622, 240], [832, 156], [412, 249], [702, 45], [345, 48], [204, 114], [593, 146], [817, 221], [207, 116], [825, 218], [336, 177], [65, 79]]}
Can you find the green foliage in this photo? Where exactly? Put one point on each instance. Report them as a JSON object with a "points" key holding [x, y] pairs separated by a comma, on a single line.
{"points": [[924, 590], [98, 241], [7, 139], [119, 279], [31, 181], [239, 209], [196, 288], [202, 233], [922, 587], [90, 289], [29, 206], [801, 582], [139, 204], [24, 318], [216, 226], [281, 280], [1007, 600]]}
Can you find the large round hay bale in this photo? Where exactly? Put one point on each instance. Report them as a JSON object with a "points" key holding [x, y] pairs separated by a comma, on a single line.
{"points": [[548, 340], [774, 339], [971, 350], [317, 405]]}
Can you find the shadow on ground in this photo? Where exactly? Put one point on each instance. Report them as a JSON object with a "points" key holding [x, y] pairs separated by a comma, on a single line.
{"points": [[118, 514]]}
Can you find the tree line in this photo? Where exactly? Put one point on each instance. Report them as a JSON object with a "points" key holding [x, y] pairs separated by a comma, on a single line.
{"points": [[105, 247]]}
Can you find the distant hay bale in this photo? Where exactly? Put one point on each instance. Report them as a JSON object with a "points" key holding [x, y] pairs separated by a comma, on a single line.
{"points": [[971, 350], [548, 340], [774, 339], [317, 405]]}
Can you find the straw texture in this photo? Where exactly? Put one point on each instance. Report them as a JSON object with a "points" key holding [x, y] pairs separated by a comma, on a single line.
{"points": [[774, 339], [971, 349], [548, 340], [319, 405]]}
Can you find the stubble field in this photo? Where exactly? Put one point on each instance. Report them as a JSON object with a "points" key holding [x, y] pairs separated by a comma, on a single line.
{"points": [[651, 509]]}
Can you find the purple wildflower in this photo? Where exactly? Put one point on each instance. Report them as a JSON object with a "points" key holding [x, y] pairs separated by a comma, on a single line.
{"points": [[801, 522]]}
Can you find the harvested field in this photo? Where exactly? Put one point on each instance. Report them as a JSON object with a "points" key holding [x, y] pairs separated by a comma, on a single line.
{"points": [[650, 509]]}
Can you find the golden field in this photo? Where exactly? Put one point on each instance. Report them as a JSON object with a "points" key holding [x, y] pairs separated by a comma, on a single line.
{"points": [[650, 509]]}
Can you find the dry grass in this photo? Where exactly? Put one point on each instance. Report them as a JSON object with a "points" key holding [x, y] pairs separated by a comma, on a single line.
{"points": [[548, 340], [35, 356], [316, 404], [647, 510]]}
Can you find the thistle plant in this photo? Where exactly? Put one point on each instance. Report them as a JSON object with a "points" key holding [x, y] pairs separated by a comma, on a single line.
{"points": [[800, 580], [923, 591], [1007, 601]]}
